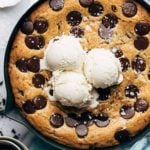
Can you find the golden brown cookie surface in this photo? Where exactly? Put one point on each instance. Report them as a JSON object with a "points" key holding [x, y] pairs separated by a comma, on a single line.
{"points": [[100, 23]]}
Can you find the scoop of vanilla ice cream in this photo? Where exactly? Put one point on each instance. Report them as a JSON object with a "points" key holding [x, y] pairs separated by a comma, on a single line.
{"points": [[72, 89], [64, 53], [102, 69]]}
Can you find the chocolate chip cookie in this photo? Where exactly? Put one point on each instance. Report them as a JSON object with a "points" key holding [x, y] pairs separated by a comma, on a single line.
{"points": [[123, 110]]}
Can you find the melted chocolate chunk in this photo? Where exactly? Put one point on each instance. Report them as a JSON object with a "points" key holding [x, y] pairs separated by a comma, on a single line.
{"points": [[113, 8], [95, 9], [127, 112], [104, 93], [131, 91], [34, 64], [28, 107], [102, 120], [30, 41], [56, 120], [21, 64], [41, 25], [40, 42], [142, 28], [81, 130], [77, 31], [56, 5], [40, 102], [35, 42], [122, 136], [38, 80], [129, 9], [105, 33], [138, 64], [141, 105], [71, 120], [74, 18], [118, 53], [141, 43], [27, 27], [87, 118], [125, 64], [110, 20], [86, 3]]}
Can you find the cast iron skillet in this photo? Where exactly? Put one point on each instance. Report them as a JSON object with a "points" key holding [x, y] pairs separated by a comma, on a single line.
{"points": [[12, 112]]}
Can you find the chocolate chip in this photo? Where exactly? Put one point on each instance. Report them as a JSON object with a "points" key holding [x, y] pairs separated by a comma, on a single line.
{"points": [[129, 9], [118, 53], [1, 133], [110, 20], [87, 118], [40, 102], [27, 27], [30, 41], [138, 64], [105, 33], [102, 120], [104, 94], [38, 80], [142, 28], [13, 131], [21, 64], [141, 105], [51, 92], [131, 91], [74, 18], [95, 9], [113, 8], [122, 136], [56, 5], [55, 39], [28, 107], [1, 83], [125, 64], [77, 31], [81, 130], [4, 101], [141, 43], [127, 112], [16, 137], [56, 120], [41, 25], [71, 120], [35, 42], [40, 42], [34, 64], [86, 3]]}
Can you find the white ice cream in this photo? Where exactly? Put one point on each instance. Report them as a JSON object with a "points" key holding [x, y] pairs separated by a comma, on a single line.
{"points": [[72, 89], [64, 53], [75, 73], [102, 69]]}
